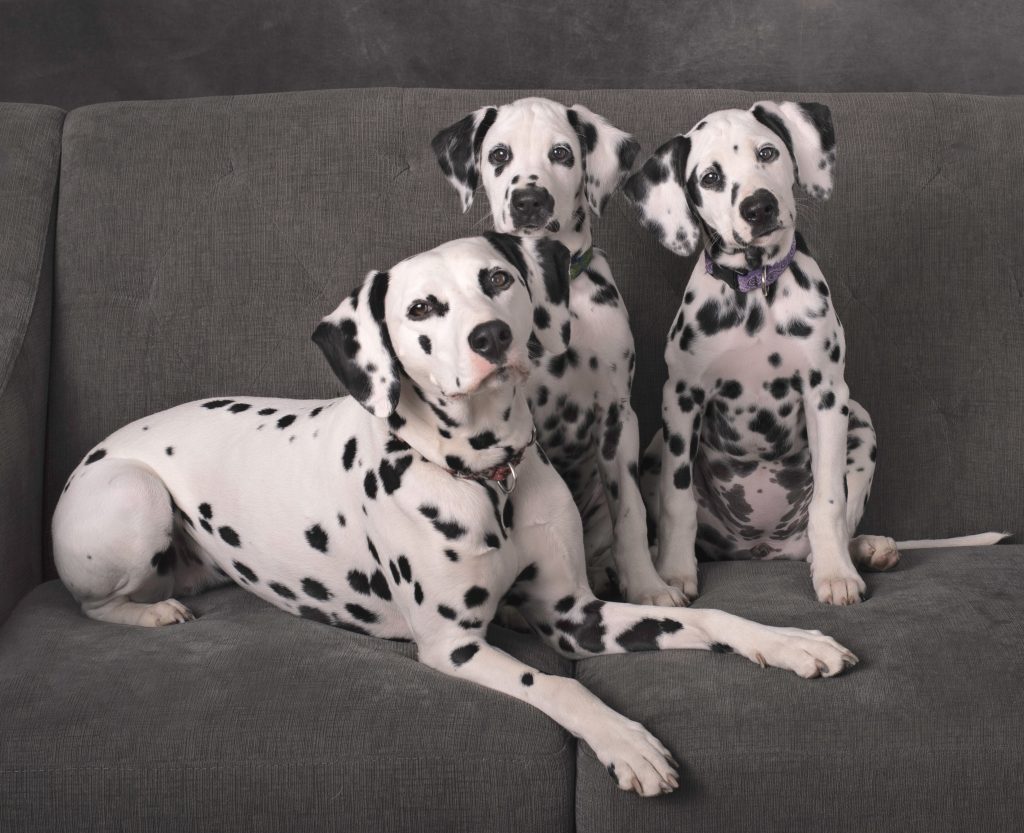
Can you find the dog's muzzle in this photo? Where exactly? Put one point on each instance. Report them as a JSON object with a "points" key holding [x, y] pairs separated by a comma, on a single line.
{"points": [[531, 207], [761, 210]]}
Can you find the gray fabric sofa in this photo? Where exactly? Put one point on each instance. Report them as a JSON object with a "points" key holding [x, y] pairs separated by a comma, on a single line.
{"points": [[152, 253]]}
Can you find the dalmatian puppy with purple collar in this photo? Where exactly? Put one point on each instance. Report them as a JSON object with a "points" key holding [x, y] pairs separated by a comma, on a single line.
{"points": [[409, 510], [763, 454], [545, 168]]}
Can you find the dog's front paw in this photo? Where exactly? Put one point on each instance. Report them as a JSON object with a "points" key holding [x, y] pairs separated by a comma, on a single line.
{"points": [[841, 587], [635, 759], [684, 582], [806, 653], [655, 592], [167, 612], [874, 552]]}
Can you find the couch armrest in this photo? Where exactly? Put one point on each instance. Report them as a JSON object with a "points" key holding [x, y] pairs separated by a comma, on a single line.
{"points": [[29, 164]]}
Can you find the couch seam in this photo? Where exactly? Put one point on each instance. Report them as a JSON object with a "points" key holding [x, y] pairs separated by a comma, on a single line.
{"points": [[23, 327]]}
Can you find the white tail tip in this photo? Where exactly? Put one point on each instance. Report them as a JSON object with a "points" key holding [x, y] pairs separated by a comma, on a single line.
{"points": [[983, 539]]}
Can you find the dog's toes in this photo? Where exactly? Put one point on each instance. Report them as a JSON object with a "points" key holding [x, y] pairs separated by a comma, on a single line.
{"points": [[661, 594], [808, 654], [635, 759], [685, 584], [167, 612], [839, 590]]}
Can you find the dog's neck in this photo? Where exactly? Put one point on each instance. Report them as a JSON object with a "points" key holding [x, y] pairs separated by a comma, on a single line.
{"points": [[465, 434], [754, 257]]}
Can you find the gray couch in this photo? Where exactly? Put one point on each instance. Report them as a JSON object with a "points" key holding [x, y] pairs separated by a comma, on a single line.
{"points": [[152, 253]]}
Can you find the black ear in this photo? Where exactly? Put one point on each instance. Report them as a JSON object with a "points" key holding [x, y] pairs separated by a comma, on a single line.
{"points": [[806, 130], [357, 344], [457, 149], [608, 154], [658, 190], [544, 265]]}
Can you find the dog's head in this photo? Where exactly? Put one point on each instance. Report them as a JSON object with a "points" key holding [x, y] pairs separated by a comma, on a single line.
{"points": [[733, 174], [538, 161], [456, 320]]}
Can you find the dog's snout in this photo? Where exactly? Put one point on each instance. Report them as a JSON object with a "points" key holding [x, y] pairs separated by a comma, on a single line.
{"points": [[491, 340], [760, 209], [531, 206]]}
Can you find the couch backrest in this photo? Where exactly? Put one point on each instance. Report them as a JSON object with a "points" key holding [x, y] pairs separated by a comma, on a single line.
{"points": [[199, 242]]}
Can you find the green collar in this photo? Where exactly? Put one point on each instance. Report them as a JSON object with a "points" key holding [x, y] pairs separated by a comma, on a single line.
{"points": [[580, 261]]}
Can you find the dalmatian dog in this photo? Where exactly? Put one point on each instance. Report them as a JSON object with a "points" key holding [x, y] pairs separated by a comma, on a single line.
{"points": [[408, 510], [545, 168], [762, 453]]}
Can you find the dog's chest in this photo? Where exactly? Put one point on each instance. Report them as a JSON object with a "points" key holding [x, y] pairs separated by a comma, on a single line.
{"points": [[570, 394]]}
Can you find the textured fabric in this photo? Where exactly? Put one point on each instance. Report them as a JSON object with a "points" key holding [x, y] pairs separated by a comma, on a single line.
{"points": [[29, 161], [249, 719], [200, 242], [78, 53], [923, 736]]}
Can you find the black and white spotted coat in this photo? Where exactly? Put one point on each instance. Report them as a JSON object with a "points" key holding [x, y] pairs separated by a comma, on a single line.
{"points": [[545, 169], [762, 454]]}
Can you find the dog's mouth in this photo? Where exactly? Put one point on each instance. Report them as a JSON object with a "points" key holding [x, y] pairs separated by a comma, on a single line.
{"points": [[497, 378], [757, 240]]}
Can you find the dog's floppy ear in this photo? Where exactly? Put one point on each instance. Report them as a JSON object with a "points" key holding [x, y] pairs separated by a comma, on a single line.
{"points": [[658, 190], [458, 151], [544, 266], [356, 342], [806, 130], [608, 154]]}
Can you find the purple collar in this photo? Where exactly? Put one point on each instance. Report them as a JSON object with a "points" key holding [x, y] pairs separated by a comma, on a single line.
{"points": [[762, 277]]}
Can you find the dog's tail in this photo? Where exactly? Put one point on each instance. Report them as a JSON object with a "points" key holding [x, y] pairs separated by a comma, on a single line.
{"points": [[983, 539]]}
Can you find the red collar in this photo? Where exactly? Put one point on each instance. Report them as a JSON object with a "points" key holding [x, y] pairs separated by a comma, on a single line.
{"points": [[499, 474]]}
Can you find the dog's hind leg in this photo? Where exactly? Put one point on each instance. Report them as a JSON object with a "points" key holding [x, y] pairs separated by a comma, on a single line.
{"points": [[113, 547], [869, 552]]}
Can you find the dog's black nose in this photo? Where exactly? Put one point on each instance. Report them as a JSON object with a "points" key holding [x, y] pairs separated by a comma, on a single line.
{"points": [[491, 339], [761, 210], [531, 206]]}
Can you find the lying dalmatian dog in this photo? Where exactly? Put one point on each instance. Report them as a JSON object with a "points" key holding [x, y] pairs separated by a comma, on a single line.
{"points": [[409, 510], [762, 454], [545, 168]]}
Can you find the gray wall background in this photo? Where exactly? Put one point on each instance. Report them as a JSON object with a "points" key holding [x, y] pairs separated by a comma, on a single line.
{"points": [[74, 52]]}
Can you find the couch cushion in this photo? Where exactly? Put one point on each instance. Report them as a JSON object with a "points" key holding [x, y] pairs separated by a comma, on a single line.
{"points": [[252, 720], [925, 734]]}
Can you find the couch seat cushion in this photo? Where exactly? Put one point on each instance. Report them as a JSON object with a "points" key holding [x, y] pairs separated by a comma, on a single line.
{"points": [[250, 719], [925, 734]]}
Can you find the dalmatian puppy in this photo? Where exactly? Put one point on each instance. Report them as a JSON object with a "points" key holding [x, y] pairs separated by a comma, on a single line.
{"points": [[763, 454], [545, 168], [408, 510]]}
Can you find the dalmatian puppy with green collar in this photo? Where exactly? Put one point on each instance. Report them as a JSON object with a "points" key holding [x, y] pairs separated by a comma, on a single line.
{"points": [[545, 169], [409, 510], [763, 454]]}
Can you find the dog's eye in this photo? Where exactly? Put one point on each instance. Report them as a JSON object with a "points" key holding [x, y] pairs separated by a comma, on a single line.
{"points": [[710, 178], [560, 154], [500, 279], [499, 155], [419, 310], [767, 153]]}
